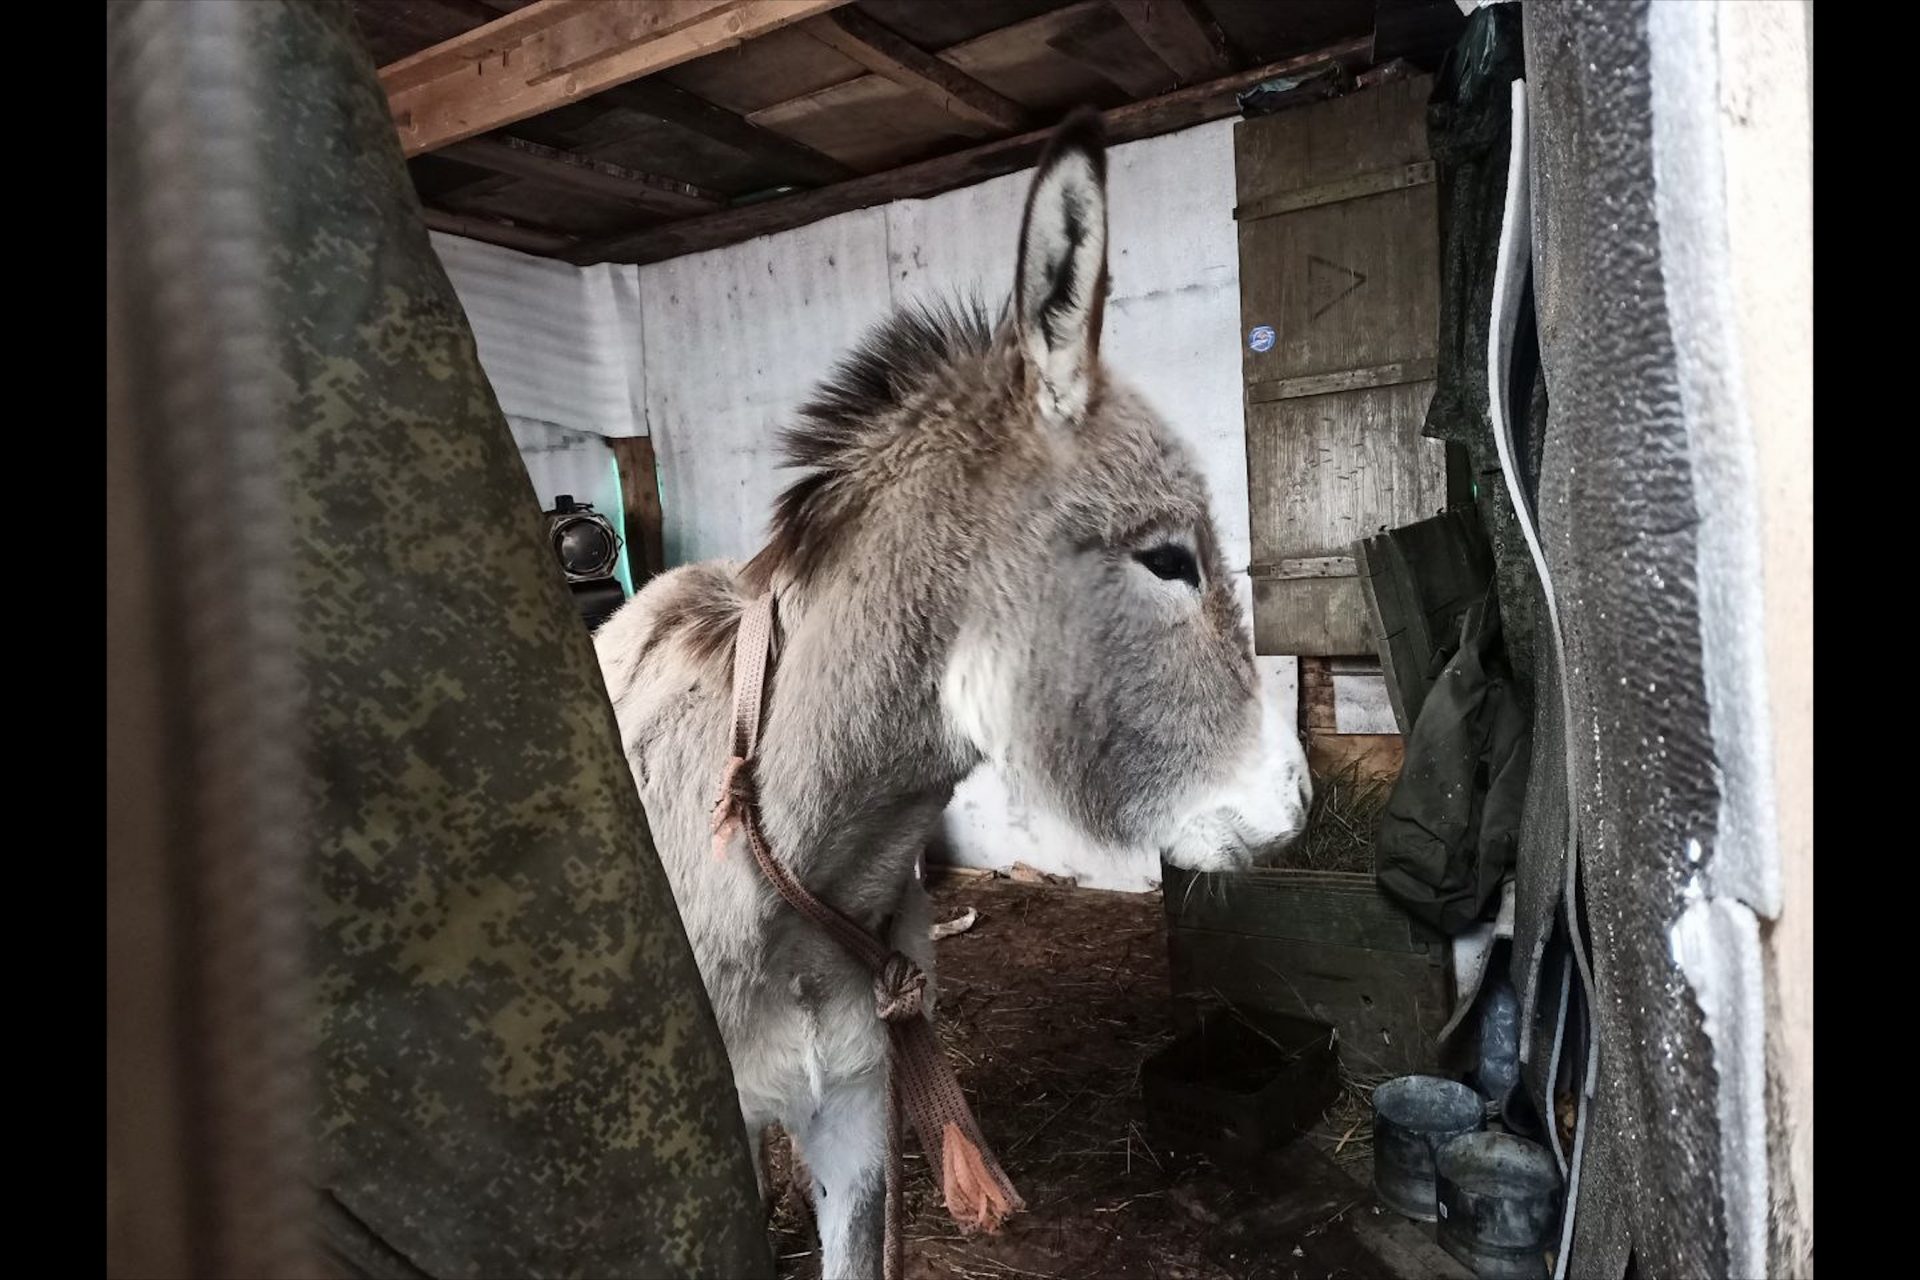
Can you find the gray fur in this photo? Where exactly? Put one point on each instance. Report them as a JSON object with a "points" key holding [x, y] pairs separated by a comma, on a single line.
{"points": [[957, 585]]}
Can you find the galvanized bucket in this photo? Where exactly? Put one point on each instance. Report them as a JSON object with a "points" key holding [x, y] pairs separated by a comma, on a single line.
{"points": [[1413, 1117], [1499, 1201]]}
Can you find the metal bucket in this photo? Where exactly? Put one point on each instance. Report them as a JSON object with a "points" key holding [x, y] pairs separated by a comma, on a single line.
{"points": [[1499, 1200], [1413, 1117]]}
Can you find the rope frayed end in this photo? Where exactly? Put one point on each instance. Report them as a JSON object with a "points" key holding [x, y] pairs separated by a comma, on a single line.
{"points": [[978, 1197]]}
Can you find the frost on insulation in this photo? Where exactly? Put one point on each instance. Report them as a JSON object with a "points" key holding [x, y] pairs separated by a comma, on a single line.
{"points": [[1716, 945]]}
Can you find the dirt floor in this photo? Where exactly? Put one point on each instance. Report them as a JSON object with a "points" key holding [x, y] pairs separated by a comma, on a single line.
{"points": [[1048, 1006]]}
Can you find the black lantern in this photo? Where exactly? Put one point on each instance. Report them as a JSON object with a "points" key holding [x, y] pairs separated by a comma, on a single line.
{"points": [[588, 549]]}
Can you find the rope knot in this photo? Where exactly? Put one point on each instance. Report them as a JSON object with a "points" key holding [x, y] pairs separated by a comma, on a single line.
{"points": [[899, 989], [736, 799]]}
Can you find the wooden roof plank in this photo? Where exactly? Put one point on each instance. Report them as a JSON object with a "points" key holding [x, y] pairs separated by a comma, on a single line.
{"points": [[557, 51], [872, 124], [1109, 48], [1187, 40], [1023, 62], [1181, 109], [506, 234], [550, 166], [881, 51], [787, 158]]}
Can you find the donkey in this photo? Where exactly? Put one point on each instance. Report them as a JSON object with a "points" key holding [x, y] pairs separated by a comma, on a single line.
{"points": [[997, 553]]}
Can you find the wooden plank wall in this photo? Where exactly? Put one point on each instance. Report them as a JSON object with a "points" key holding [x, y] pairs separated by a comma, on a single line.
{"points": [[1339, 243]]}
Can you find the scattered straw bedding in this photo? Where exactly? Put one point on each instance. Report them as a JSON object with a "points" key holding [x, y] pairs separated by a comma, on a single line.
{"points": [[1049, 1005]]}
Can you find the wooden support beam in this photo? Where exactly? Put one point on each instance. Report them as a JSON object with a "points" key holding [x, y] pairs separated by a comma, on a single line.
{"points": [[509, 235], [794, 161], [1187, 40], [1181, 109], [554, 52], [906, 64], [516, 157], [640, 506]]}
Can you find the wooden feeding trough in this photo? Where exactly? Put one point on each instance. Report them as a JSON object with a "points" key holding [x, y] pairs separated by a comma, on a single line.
{"points": [[1326, 946]]}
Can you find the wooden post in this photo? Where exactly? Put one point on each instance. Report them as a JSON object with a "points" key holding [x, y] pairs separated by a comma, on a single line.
{"points": [[640, 506]]}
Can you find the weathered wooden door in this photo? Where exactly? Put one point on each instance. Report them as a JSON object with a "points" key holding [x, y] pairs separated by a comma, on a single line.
{"points": [[1339, 296]]}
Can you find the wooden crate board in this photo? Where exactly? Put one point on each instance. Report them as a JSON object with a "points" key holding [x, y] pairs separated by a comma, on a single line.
{"points": [[1327, 946], [1341, 907], [1388, 1008]]}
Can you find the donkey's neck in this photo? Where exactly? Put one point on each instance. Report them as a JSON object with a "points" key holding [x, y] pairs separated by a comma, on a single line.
{"points": [[858, 760]]}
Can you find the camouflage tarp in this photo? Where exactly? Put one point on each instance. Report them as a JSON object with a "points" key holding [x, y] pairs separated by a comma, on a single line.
{"points": [[518, 1073]]}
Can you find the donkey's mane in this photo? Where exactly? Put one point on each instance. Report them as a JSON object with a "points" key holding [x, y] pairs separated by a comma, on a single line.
{"points": [[851, 412]]}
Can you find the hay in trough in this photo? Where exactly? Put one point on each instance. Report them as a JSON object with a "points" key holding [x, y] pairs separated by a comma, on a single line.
{"points": [[1340, 828]]}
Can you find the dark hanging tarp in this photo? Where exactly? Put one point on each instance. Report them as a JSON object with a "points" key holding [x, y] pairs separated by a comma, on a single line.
{"points": [[1447, 837], [517, 1070], [1469, 132]]}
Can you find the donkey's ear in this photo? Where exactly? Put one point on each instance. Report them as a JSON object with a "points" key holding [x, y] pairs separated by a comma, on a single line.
{"points": [[1060, 286]]}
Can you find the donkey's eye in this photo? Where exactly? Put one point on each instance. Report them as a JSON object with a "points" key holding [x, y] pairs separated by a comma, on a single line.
{"points": [[1168, 562]]}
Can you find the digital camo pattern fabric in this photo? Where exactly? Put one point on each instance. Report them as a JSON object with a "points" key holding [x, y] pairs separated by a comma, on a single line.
{"points": [[517, 1071]]}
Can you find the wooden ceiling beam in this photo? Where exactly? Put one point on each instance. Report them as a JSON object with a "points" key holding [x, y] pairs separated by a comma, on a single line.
{"points": [[880, 51], [786, 160], [609, 132], [506, 234], [553, 52], [1189, 41], [552, 167], [1181, 109], [794, 161]]}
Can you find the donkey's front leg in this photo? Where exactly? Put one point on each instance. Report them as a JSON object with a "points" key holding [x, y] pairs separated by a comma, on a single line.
{"points": [[846, 1146]]}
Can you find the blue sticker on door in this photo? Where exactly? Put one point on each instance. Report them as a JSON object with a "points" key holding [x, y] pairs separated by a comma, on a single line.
{"points": [[1261, 339]]}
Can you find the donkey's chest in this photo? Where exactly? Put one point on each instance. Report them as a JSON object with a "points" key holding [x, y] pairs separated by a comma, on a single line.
{"points": [[799, 1029]]}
